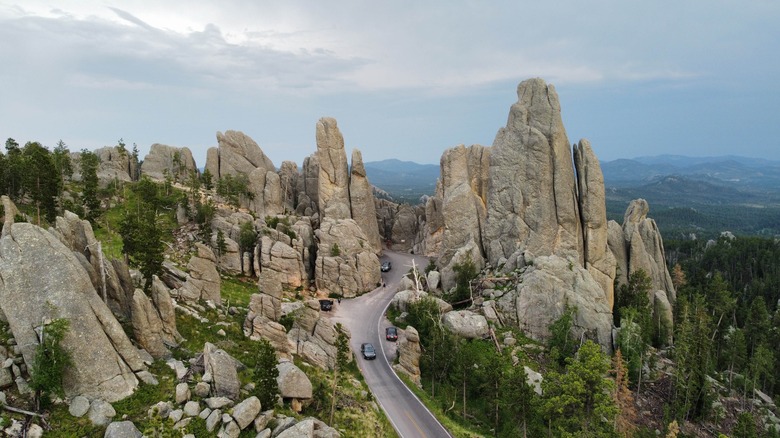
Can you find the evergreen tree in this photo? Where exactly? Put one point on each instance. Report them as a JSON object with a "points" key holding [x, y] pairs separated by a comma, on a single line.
{"points": [[735, 352], [14, 169], [61, 156], [208, 179], [579, 400], [142, 234], [40, 179], [265, 374], [693, 356], [89, 163], [745, 427], [51, 361], [561, 343], [517, 405]]}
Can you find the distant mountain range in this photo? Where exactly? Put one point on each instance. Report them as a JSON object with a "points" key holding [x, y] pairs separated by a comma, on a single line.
{"points": [[702, 195], [404, 181]]}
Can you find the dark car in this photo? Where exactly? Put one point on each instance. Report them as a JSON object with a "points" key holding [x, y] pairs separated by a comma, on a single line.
{"points": [[391, 334], [326, 305], [386, 266], [368, 351]]}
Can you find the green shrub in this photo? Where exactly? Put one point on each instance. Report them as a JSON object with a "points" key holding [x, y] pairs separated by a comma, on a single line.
{"points": [[51, 360]]}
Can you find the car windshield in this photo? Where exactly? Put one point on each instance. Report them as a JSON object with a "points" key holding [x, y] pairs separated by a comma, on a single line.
{"points": [[391, 331], [369, 348]]}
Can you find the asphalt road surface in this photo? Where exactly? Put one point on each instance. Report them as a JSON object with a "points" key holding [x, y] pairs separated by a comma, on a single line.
{"points": [[364, 316]]}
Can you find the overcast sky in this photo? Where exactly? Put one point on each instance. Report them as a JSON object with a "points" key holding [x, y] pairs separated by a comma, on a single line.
{"points": [[404, 79]]}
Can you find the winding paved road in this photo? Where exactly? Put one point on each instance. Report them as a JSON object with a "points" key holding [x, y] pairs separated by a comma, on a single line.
{"points": [[365, 318]]}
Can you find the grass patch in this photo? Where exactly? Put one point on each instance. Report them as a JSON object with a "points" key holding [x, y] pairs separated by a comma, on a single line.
{"points": [[237, 291]]}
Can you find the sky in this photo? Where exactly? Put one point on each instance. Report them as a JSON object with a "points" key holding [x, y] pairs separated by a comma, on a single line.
{"points": [[404, 79]]}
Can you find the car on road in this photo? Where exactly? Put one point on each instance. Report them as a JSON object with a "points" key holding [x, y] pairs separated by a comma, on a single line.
{"points": [[391, 334], [368, 351], [326, 305], [386, 266]]}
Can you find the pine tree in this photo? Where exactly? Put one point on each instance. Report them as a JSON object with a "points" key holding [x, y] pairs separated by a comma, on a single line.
{"points": [[89, 163], [142, 234], [265, 374], [516, 397], [579, 400], [40, 179]]}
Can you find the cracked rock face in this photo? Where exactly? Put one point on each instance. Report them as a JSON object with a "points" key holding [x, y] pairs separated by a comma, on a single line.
{"points": [[163, 160], [104, 359], [547, 286], [333, 173], [346, 264], [532, 199], [361, 199]]}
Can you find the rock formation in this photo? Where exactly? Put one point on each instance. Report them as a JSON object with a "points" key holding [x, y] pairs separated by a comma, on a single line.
{"points": [[202, 281], [346, 264], [163, 161], [599, 260], [31, 294], [285, 253], [532, 202], [409, 352], [77, 235], [333, 174], [361, 199], [239, 156], [640, 247], [313, 337], [548, 286], [463, 190], [115, 165]]}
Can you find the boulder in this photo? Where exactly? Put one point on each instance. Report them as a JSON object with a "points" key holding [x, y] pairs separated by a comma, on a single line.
{"points": [[288, 182], [77, 234], [147, 326], [361, 198], [333, 181], [548, 286], [293, 383], [284, 254], [78, 406], [308, 187], [405, 227], [402, 299], [257, 326], [115, 165], [100, 412], [164, 161], [122, 429], [245, 412], [224, 372], [104, 358], [466, 324]]}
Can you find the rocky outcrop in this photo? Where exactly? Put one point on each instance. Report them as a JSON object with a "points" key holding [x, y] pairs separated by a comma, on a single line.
{"points": [[548, 286], [463, 190], [288, 182], [147, 326], [599, 260], [285, 253], [313, 337], [403, 298], [532, 203], [361, 199], [31, 294], [239, 156], [466, 324], [333, 177], [308, 188], [116, 165], [77, 235], [223, 370], [168, 161], [203, 280], [645, 247], [346, 264], [409, 352]]}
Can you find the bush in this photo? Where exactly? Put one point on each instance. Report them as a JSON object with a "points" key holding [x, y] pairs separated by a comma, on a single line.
{"points": [[51, 360]]}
